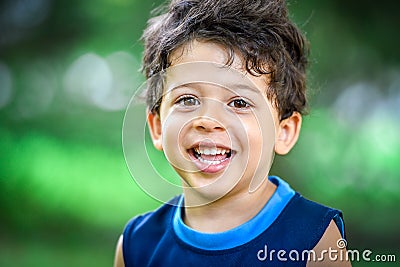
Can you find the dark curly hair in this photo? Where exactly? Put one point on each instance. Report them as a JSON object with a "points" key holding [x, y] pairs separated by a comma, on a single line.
{"points": [[259, 30]]}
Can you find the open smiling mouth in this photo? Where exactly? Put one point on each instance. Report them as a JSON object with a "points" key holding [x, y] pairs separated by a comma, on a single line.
{"points": [[210, 159]]}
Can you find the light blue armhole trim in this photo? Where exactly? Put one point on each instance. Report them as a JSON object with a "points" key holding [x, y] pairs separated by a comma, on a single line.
{"points": [[241, 234], [340, 224]]}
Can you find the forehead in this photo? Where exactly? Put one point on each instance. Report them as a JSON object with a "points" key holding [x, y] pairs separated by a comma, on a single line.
{"points": [[202, 51], [204, 72]]}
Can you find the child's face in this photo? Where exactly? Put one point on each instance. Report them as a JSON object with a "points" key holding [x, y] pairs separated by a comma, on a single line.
{"points": [[216, 126]]}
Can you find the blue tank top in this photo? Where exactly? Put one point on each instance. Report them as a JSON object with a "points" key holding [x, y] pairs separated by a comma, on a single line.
{"points": [[288, 222]]}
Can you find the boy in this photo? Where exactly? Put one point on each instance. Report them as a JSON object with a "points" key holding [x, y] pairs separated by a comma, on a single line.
{"points": [[226, 90]]}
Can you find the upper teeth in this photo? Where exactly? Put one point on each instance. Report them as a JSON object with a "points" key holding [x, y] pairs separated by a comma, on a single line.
{"points": [[211, 151]]}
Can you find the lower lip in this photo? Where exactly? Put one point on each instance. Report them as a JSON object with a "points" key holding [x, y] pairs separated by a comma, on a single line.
{"points": [[208, 167]]}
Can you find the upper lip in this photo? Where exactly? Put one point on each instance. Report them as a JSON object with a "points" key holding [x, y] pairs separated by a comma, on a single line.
{"points": [[209, 145]]}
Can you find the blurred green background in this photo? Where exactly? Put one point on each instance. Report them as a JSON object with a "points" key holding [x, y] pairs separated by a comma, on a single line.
{"points": [[68, 69]]}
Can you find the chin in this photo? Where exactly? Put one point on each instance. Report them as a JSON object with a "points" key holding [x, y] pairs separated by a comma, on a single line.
{"points": [[205, 190]]}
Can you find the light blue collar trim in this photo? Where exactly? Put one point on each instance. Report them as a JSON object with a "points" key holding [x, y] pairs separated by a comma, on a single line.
{"points": [[241, 234]]}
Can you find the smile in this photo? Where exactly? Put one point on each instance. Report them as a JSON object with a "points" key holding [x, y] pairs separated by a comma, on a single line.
{"points": [[212, 155], [210, 158]]}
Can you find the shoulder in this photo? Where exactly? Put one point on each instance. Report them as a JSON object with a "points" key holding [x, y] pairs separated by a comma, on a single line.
{"points": [[308, 220], [119, 259], [329, 244], [150, 227], [306, 211], [302, 211], [304, 206], [331, 249], [152, 218]]}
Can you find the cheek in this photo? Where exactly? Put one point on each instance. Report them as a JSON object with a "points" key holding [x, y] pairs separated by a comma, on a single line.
{"points": [[171, 125], [260, 133], [174, 129], [262, 141], [255, 142]]}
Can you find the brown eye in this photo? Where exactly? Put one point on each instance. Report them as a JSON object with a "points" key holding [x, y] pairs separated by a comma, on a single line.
{"points": [[239, 104], [188, 101]]}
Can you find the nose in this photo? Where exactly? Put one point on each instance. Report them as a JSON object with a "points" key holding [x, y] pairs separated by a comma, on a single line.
{"points": [[207, 124], [210, 116]]}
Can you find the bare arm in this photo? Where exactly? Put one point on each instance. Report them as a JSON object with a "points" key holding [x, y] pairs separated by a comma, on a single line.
{"points": [[119, 259], [329, 242]]}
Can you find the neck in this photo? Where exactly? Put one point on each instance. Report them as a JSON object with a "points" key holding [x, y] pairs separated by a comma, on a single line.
{"points": [[229, 211]]}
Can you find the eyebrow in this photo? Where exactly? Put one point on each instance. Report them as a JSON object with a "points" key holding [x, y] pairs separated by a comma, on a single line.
{"points": [[233, 86], [242, 87]]}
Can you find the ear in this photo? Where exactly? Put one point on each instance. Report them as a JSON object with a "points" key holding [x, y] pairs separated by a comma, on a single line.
{"points": [[287, 133], [153, 119]]}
